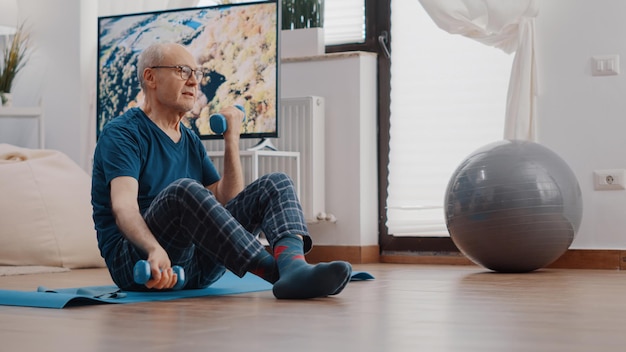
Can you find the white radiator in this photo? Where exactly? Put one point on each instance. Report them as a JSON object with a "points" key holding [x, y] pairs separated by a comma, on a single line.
{"points": [[301, 129]]}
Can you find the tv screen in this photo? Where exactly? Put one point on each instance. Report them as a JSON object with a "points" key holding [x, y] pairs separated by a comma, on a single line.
{"points": [[237, 45]]}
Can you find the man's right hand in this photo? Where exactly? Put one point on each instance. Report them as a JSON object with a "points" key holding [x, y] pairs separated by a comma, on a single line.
{"points": [[163, 277]]}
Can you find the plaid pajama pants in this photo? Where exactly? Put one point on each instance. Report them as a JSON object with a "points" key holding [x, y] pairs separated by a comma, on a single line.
{"points": [[206, 238]]}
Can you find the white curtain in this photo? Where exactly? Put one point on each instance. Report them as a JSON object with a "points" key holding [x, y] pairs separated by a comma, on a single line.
{"points": [[509, 26]]}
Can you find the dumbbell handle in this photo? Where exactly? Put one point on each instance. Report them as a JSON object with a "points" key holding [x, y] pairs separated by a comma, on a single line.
{"points": [[218, 121], [142, 274]]}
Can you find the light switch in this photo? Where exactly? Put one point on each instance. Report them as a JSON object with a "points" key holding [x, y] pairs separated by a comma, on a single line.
{"points": [[605, 65]]}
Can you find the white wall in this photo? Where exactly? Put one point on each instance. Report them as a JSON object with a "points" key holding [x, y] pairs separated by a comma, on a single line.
{"points": [[580, 117], [348, 84], [60, 74], [583, 118]]}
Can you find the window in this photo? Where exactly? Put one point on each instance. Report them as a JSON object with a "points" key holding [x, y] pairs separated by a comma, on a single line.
{"points": [[344, 21], [448, 96]]}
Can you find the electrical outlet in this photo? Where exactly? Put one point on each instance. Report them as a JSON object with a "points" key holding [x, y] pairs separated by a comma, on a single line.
{"points": [[606, 180]]}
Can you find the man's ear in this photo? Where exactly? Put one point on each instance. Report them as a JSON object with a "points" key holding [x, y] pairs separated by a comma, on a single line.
{"points": [[148, 78]]}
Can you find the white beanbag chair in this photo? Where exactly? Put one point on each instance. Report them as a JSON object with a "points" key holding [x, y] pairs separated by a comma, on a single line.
{"points": [[45, 210]]}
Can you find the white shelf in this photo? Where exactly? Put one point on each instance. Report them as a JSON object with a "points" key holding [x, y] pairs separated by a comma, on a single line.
{"points": [[26, 113]]}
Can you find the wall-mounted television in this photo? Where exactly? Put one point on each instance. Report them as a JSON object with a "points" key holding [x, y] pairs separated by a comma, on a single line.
{"points": [[236, 44]]}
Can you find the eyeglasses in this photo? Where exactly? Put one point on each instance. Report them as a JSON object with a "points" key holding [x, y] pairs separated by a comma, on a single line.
{"points": [[185, 71]]}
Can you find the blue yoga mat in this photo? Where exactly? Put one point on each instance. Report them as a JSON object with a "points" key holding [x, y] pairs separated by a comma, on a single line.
{"points": [[68, 297]]}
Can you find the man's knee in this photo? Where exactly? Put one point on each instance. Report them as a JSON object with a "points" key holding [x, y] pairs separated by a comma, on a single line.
{"points": [[182, 186], [279, 179]]}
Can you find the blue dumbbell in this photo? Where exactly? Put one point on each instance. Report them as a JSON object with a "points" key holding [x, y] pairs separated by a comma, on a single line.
{"points": [[218, 121], [142, 274]]}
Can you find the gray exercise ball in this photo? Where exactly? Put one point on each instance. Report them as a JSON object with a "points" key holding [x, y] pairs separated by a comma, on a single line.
{"points": [[513, 206]]}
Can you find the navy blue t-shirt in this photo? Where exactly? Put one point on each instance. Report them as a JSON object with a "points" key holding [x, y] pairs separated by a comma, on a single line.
{"points": [[132, 145]]}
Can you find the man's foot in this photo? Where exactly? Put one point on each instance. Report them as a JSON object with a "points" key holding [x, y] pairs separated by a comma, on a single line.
{"points": [[311, 281]]}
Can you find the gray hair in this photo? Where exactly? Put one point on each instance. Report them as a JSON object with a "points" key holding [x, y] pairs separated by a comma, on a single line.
{"points": [[151, 56]]}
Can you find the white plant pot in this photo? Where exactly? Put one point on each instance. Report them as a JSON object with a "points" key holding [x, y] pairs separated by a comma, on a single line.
{"points": [[302, 42]]}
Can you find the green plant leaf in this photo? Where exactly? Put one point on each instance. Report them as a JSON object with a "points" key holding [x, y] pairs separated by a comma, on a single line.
{"points": [[14, 58]]}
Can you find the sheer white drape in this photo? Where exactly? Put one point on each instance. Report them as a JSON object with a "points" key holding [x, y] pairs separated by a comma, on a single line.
{"points": [[507, 25]]}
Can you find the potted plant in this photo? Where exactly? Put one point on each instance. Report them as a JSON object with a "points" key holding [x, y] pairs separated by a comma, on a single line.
{"points": [[302, 24], [13, 61], [297, 14]]}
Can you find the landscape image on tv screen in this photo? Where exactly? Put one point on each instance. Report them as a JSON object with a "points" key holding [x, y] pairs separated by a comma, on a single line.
{"points": [[235, 44]]}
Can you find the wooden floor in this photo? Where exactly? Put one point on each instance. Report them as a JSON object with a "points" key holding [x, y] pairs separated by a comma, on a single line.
{"points": [[407, 308]]}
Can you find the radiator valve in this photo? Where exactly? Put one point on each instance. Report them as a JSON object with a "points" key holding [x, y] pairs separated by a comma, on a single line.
{"points": [[321, 216]]}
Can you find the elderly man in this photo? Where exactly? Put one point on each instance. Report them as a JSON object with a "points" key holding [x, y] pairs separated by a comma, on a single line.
{"points": [[157, 196]]}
